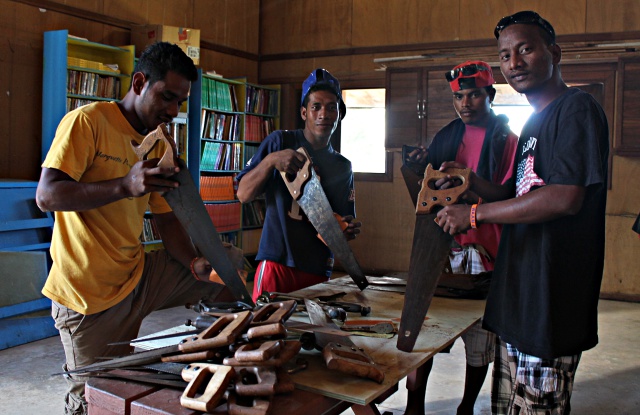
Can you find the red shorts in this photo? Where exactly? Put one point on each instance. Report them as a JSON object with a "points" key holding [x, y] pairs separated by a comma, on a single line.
{"points": [[274, 277]]}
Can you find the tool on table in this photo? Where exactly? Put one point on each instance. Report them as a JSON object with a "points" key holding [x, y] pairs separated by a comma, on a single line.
{"points": [[378, 328], [226, 334], [187, 205], [339, 352], [391, 284], [219, 307], [336, 312], [429, 252], [350, 307], [308, 192], [336, 309], [160, 337], [214, 378]]}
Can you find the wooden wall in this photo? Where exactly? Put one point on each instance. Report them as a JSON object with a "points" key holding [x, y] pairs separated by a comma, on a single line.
{"points": [[281, 41]]}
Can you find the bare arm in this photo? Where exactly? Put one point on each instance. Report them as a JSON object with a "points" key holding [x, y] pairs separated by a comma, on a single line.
{"points": [[253, 183], [57, 191], [541, 205]]}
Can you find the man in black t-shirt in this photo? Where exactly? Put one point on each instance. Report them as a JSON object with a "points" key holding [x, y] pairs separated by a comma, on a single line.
{"points": [[543, 301]]}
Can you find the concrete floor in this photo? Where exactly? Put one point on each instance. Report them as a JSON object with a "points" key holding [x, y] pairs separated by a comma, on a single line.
{"points": [[607, 382]]}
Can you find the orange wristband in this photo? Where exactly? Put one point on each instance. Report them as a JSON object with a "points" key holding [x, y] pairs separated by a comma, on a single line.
{"points": [[193, 271], [472, 216]]}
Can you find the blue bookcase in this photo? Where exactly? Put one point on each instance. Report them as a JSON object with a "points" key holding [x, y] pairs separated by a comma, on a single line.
{"points": [[25, 238], [77, 72], [228, 119]]}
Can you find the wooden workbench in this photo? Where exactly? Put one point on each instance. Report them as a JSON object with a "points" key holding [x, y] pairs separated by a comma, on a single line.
{"points": [[321, 391], [446, 320]]}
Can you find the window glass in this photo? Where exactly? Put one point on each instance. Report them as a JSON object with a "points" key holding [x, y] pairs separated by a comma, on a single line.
{"points": [[512, 104], [363, 129]]}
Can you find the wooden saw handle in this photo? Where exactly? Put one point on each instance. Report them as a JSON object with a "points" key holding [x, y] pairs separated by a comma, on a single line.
{"points": [[296, 185], [151, 140], [351, 360], [429, 197]]}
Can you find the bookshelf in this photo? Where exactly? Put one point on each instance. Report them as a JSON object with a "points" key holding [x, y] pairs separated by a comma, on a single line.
{"points": [[77, 72], [228, 120], [262, 117]]}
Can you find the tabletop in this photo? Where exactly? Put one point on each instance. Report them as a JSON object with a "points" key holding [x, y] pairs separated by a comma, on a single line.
{"points": [[446, 320], [319, 390]]}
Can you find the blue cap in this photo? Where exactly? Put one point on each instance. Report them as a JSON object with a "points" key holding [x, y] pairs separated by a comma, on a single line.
{"points": [[322, 77]]}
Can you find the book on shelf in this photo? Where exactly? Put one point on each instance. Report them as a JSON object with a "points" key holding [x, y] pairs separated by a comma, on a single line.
{"points": [[230, 237], [253, 213], [249, 152], [257, 128], [218, 126], [150, 231], [217, 188], [178, 131], [261, 101], [225, 216], [219, 95], [221, 156], [92, 84]]}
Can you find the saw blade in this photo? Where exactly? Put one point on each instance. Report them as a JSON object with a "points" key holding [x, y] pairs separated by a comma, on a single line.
{"points": [[429, 253], [188, 207], [313, 201]]}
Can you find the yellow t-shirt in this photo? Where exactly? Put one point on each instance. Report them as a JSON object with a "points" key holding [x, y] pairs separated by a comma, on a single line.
{"points": [[97, 254]]}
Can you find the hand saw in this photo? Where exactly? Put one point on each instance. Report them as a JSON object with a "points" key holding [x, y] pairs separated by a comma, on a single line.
{"points": [[187, 205], [429, 252], [308, 192], [339, 352]]}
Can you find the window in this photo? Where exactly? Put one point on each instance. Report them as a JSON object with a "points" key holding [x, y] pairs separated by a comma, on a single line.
{"points": [[512, 104], [362, 133]]}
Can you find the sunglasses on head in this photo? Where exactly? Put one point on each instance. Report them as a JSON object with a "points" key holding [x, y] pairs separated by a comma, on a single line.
{"points": [[466, 70], [525, 17]]}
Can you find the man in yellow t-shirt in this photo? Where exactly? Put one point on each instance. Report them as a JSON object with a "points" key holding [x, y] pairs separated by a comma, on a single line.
{"points": [[102, 283]]}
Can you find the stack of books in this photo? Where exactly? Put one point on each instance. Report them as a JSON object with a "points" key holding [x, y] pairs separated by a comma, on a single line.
{"points": [[257, 128], [225, 216], [219, 95], [253, 213], [221, 156], [217, 188]]}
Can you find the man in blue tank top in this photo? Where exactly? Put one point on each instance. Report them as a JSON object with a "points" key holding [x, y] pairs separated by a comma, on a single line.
{"points": [[290, 253]]}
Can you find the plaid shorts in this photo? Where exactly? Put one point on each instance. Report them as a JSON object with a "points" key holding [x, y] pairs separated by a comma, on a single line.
{"points": [[527, 385], [479, 345]]}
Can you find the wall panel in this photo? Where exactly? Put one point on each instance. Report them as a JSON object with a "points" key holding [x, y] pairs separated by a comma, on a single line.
{"points": [[612, 16], [228, 66], [233, 23], [388, 220], [622, 261], [294, 26]]}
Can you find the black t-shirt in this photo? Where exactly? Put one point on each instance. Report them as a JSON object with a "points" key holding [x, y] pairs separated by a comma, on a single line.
{"points": [[546, 283]]}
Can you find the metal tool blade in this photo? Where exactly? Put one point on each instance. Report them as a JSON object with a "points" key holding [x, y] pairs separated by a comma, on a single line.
{"points": [[428, 256], [311, 197], [160, 337], [339, 352], [141, 358], [378, 328], [429, 251], [188, 207], [318, 317]]}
